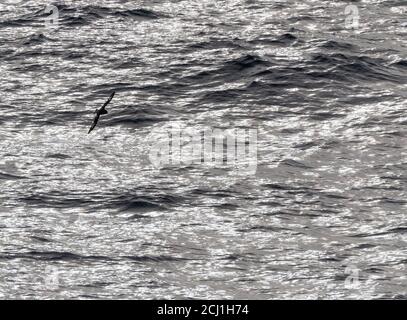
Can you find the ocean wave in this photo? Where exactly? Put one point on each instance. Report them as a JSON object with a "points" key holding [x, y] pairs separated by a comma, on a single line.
{"points": [[286, 39], [337, 45], [401, 64], [161, 258], [35, 39], [79, 15], [143, 203], [31, 19], [56, 200], [9, 176], [245, 66], [52, 256]]}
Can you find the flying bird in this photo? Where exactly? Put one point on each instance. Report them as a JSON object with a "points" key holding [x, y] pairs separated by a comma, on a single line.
{"points": [[100, 112]]}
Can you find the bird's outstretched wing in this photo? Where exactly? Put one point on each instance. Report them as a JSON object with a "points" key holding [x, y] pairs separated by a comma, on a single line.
{"points": [[108, 101], [95, 122], [100, 112]]}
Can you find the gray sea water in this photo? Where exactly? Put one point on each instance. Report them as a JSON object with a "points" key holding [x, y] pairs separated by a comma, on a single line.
{"points": [[321, 83]]}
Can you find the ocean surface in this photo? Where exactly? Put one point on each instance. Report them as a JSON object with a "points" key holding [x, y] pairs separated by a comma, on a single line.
{"points": [[321, 83]]}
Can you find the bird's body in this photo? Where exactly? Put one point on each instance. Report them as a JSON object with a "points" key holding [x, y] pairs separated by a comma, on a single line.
{"points": [[100, 112]]}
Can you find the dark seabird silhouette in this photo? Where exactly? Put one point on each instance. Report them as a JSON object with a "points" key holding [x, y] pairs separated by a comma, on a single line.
{"points": [[100, 112]]}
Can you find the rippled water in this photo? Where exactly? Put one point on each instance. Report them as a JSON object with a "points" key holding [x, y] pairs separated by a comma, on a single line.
{"points": [[89, 216]]}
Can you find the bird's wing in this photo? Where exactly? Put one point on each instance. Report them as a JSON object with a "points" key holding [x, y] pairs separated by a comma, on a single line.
{"points": [[108, 100], [95, 122]]}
